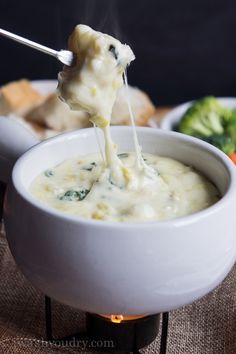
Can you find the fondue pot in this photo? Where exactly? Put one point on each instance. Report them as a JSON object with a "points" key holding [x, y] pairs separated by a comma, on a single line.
{"points": [[118, 268]]}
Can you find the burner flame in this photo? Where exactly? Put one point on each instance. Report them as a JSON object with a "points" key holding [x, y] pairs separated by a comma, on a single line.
{"points": [[117, 318], [120, 318]]}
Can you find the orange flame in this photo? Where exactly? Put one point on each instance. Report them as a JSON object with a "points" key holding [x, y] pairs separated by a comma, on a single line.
{"points": [[120, 318]]}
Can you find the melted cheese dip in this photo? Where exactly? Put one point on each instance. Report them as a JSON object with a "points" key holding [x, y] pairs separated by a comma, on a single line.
{"points": [[84, 187], [127, 187]]}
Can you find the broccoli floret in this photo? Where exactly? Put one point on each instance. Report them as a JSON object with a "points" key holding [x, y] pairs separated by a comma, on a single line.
{"points": [[222, 142], [232, 117], [230, 128], [231, 131], [204, 118]]}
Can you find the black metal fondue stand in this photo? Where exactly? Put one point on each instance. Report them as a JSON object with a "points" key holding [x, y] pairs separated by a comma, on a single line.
{"points": [[127, 335]]}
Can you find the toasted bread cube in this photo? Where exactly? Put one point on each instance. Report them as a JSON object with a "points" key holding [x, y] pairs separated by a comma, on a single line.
{"points": [[18, 97]]}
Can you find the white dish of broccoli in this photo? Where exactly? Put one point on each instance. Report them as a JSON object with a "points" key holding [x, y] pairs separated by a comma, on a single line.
{"points": [[210, 119]]}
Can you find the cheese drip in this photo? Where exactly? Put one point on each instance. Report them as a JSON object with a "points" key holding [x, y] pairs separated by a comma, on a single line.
{"points": [[140, 164], [92, 84]]}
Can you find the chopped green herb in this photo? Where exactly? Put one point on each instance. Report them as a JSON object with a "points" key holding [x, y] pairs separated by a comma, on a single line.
{"points": [[90, 167], [113, 183], [110, 180], [87, 168], [73, 196], [113, 50], [123, 156], [144, 159], [48, 173]]}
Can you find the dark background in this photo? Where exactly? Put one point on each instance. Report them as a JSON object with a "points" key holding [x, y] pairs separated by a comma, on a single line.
{"points": [[185, 49]]}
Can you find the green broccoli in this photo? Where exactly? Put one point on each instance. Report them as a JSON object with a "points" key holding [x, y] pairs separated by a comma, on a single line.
{"points": [[232, 117], [222, 142], [204, 118], [231, 131], [230, 128]]}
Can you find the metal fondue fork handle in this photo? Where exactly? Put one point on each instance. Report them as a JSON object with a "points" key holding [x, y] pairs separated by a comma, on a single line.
{"points": [[64, 56]]}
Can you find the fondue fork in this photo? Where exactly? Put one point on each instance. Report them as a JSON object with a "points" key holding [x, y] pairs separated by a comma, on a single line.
{"points": [[64, 56]]}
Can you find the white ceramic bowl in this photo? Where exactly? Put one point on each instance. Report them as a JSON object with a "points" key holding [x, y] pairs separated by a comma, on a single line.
{"points": [[171, 120], [122, 268]]}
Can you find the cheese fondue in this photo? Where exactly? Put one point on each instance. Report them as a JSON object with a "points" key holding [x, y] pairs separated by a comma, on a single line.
{"points": [[84, 187], [122, 187]]}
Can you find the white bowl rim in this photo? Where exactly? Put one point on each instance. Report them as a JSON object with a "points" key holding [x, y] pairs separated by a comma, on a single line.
{"points": [[188, 219]]}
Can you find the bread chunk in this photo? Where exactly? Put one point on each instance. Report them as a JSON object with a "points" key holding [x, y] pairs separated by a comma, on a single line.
{"points": [[55, 114], [18, 97], [141, 105]]}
